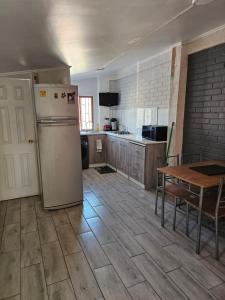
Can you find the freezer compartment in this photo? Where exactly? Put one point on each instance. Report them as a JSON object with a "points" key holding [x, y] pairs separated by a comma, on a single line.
{"points": [[60, 159], [54, 100]]}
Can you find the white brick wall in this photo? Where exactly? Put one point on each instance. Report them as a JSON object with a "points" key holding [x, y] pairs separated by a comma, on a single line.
{"points": [[143, 93]]}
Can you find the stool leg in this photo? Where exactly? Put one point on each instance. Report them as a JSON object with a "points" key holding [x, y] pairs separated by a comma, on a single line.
{"points": [[174, 214], [187, 219], [217, 239]]}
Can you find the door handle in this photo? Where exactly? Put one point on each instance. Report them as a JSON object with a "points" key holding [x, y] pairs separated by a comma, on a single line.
{"points": [[30, 141]]}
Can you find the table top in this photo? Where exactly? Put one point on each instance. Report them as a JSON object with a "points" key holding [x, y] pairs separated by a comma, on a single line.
{"points": [[188, 175]]}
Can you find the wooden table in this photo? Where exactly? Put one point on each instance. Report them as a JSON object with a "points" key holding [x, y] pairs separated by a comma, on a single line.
{"points": [[190, 176]]}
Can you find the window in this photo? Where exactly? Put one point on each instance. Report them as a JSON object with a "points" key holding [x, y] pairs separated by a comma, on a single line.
{"points": [[86, 113]]}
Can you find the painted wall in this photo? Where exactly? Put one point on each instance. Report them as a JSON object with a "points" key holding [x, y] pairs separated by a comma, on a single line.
{"points": [[144, 93]]}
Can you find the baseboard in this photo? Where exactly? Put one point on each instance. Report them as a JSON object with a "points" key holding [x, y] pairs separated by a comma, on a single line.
{"points": [[137, 182], [123, 174], [111, 167]]}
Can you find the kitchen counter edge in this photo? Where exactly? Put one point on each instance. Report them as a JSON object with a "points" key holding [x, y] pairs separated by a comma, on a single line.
{"points": [[127, 137]]}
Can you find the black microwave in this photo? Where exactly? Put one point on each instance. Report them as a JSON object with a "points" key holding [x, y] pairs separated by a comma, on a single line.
{"points": [[154, 132]]}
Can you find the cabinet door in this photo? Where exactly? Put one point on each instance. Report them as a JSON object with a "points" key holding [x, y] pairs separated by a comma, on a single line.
{"points": [[94, 156], [112, 151], [123, 157], [137, 162]]}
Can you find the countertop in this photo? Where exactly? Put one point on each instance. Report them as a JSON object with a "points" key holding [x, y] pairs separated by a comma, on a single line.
{"points": [[129, 137]]}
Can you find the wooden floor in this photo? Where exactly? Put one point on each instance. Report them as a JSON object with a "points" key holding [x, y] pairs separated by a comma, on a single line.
{"points": [[112, 248]]}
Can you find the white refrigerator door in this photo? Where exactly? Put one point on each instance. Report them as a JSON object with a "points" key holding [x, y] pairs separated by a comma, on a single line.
{"points": [[61, 171], [53, 100]]}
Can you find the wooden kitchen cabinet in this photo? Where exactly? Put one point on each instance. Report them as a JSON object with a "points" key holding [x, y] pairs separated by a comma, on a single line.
{"points": [[137, 162], [112, 151], [94, 156], [123, 157]]}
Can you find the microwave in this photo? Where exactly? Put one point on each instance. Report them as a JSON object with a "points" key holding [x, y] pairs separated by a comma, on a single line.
{"points": [[154, 132]]}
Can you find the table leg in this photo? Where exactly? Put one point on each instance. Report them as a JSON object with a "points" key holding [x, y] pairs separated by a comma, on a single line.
{"points": [[163, 200], [199, 221]]}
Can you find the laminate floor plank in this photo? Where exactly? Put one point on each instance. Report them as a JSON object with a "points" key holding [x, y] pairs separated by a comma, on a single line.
{"points": [[88, 211], [78, 222], [17, 297], [111, 285], [46, 230], [182, 240], [83, 280], [33, 285], [12, 215], [3, 208], [107, 216], [102, 233], [11, 238], [28, 203], [14, 204], [218, 267], [28, 221], [62, 290], [143, 291], [133, 212], [60, 217], [131, 223], [157, 279], [93, 250], [9, 274], [194, 266], [30, 249], [191, 288], [154, 232], [40, 211], [166, 261], [67, 239], [219, 291], [130, 245], [54, 264], [93, 199], [123, 265]]}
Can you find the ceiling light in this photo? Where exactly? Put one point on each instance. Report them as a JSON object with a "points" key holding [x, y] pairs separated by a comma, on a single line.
{"points": [[201, 2]]}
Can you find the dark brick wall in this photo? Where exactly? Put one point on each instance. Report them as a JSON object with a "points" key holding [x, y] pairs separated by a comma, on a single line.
{"points": [[204, 121]]}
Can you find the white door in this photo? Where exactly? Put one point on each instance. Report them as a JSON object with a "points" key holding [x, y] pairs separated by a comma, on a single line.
{"points": [[18, 164]]}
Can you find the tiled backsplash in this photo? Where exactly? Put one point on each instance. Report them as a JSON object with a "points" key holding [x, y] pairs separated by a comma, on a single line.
{"points": [[144, 95]]}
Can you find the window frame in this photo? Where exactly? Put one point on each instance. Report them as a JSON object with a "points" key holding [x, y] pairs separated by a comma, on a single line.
{"points": [[92, 113]]}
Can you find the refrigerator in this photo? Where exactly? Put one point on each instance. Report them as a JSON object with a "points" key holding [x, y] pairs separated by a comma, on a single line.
{"points": [[57, 116]]}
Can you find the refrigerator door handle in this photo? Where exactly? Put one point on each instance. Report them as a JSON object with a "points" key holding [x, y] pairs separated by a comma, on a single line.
{"points": [[54, 122]]}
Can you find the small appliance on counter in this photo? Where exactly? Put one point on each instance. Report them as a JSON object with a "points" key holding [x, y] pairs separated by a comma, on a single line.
{"points": [[114, 124], [107, 125], [154, 132]]}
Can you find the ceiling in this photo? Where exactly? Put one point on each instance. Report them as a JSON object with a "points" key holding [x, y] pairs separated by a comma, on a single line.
{"points": [[93, 34]]}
